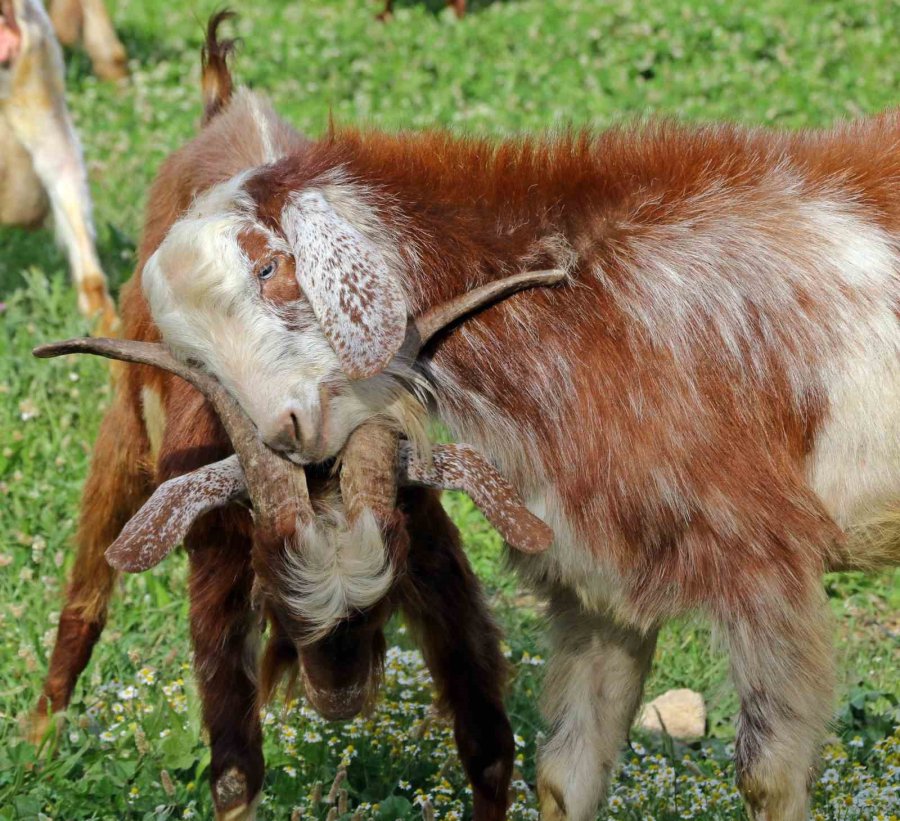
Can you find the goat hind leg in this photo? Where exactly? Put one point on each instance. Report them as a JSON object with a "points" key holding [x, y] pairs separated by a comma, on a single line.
{"points": [[783, 668], [40, 120], [592, 690]]}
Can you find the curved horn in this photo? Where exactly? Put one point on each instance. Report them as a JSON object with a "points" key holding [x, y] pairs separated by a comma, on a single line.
{"points": [[165, 518], [439, 317], [369, 471], [461, 467], [277, 487]]}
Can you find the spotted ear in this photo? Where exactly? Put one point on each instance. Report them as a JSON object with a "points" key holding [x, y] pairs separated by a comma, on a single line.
{"points": [[353, 292]]}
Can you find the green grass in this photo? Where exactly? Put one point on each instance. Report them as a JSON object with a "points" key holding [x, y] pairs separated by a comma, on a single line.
{"points": [[510, 66]]}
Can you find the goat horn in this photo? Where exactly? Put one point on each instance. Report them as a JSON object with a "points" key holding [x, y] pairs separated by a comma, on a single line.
{"points": [[277, 487], [461, 467], [439, 317], [369, 471], [165, 518]]}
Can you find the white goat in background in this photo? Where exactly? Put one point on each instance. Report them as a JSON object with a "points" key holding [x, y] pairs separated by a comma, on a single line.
{"points": [[40, 155]]}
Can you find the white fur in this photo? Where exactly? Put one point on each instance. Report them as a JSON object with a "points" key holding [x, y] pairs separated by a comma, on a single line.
{"points": [[592, 691], [335, 570]]}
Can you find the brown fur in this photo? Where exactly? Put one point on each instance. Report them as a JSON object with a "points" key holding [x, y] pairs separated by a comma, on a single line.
{"points": [[679, 464]]}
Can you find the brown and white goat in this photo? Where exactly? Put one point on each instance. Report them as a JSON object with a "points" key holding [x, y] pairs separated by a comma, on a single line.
{"points": [[89, 21], [160, 428], [40, 156], [708, 415]]}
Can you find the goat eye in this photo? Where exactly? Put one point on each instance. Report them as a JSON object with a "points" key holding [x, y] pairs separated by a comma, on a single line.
{"points": [[268, 269]]}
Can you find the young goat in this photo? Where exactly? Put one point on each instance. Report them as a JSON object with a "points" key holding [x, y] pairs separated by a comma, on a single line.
{"points": [[40, 155], [708, 416], [160, 429]]}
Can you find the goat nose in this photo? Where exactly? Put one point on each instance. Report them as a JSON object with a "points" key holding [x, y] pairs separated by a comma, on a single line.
{"points": [[292, 429]]}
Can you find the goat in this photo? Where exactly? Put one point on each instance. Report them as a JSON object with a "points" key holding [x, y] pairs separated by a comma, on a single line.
{"points": [[41, 165], [707, 413], [88, 20], [162, 433], [459, 8]]}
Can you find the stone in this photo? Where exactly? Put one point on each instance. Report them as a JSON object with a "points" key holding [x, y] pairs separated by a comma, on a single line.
{"points": [[681, 712]]}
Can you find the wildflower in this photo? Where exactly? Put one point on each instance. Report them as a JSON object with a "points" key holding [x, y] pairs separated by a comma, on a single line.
{"points": [[166, 780], [128, 693], [146, 675], [28, 410]]}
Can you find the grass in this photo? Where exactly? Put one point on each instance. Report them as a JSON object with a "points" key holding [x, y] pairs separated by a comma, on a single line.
{"points": [[132, 746]]}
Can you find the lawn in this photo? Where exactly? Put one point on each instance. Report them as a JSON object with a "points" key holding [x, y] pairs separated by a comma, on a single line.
{"points": [[132, 747]]}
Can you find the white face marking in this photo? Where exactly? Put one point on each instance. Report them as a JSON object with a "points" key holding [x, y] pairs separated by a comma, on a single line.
{"points": [[274, 359]]}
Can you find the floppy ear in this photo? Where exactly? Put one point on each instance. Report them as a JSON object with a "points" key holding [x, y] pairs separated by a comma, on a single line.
{"points": [[355, 296]]}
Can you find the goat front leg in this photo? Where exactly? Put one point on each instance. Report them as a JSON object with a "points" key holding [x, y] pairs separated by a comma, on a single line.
{"points": [[593, 688], [445, 608], [782, 665], [39, 118], [225, 633], [116, 487]]}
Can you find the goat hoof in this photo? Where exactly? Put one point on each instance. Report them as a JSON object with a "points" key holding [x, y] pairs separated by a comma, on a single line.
{"points": [[95, 303], [115, 69], [230, 796], [35, 727]]}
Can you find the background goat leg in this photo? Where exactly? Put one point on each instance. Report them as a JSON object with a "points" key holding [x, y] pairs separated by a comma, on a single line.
{"points": [[68, 18], [101, 42], [461, 645], [90, 19]]}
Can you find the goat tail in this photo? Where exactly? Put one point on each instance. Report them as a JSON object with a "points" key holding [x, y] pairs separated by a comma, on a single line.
{"points": [[216, 82]]}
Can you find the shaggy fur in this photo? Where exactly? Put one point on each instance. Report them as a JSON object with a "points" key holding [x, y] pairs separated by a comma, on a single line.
{"points": [[707, 413]]}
